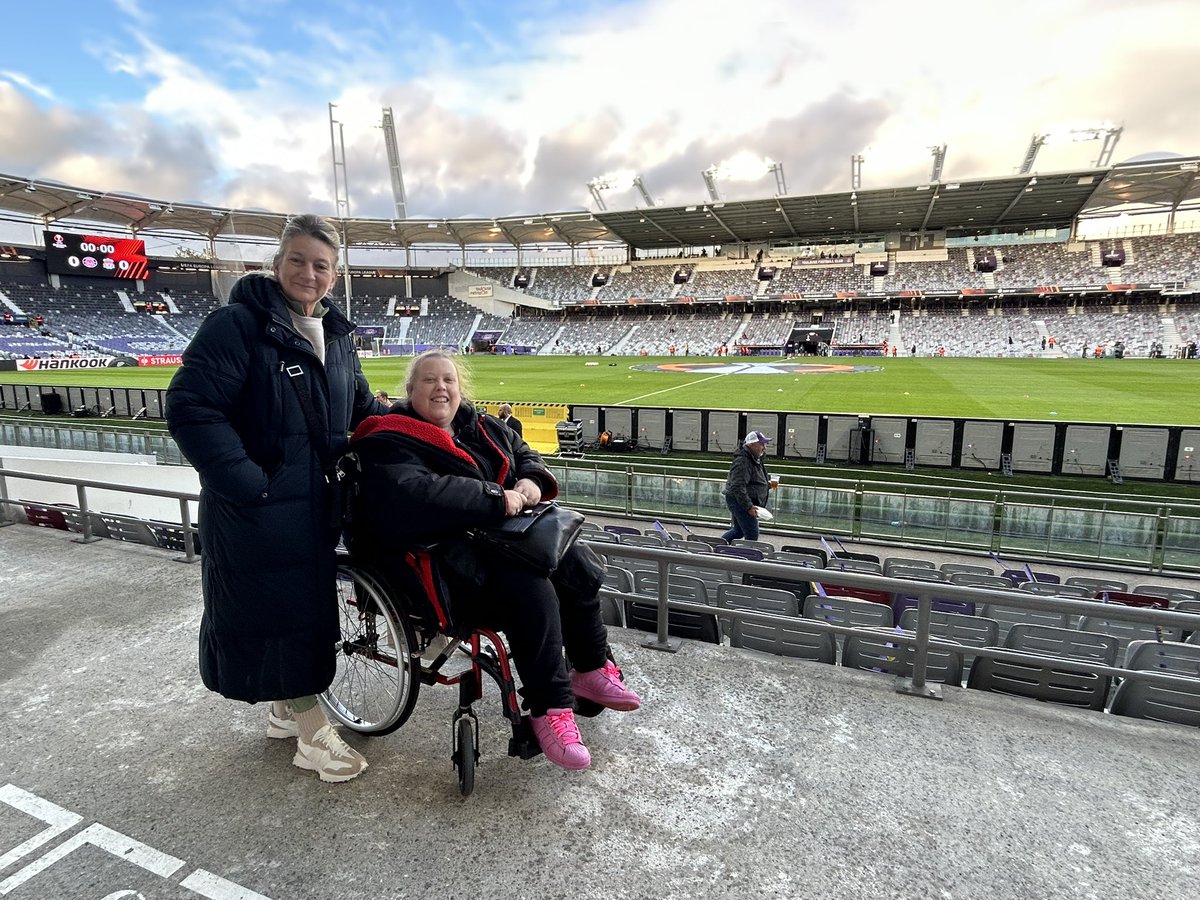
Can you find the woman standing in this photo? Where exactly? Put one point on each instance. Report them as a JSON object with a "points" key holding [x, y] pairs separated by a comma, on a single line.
{"points": [[268, 389]]}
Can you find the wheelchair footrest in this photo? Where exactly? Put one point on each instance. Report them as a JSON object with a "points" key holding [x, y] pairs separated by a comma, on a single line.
{"points": [[524, 744]]}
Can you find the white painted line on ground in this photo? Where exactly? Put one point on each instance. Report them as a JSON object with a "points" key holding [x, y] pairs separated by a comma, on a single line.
{"points": [[677, 387], [214, 887], [59, 820], [106, 839]]}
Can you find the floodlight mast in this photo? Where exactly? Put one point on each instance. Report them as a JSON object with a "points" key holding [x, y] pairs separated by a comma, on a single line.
{"points": [[780, 182], [856, 162], [617, 182], [341, 193], [595, 186], [641, 189], [1109, 134], [939, 160], [393, 154], [710, 181]]}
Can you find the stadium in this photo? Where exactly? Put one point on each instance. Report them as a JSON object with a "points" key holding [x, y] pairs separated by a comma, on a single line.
{"points": [[978, 394]]}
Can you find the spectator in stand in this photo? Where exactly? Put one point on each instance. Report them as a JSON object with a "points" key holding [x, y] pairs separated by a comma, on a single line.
{"points": [[746, 487], [269, 387], [382, 397], [505, 415]]}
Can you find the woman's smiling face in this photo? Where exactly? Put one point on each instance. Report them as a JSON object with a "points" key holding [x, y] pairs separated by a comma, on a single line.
{"points": [[434, 394]]}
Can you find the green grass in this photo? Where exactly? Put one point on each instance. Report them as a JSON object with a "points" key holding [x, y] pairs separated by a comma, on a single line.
{"points": [[1129, 391]]}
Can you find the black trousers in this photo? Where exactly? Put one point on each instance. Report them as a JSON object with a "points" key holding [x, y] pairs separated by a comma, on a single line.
{"points": [[540, 616]]}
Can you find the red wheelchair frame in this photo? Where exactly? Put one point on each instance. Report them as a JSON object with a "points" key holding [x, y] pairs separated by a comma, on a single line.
{"points": [[390, 615]]}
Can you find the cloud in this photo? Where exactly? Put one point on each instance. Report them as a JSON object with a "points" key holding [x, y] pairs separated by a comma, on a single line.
{"points": [[28, 84], [491, 123]]}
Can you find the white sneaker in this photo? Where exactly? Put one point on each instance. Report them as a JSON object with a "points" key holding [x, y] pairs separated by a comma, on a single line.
{"points": [[281, 726], [329, 756], [437, 644]]}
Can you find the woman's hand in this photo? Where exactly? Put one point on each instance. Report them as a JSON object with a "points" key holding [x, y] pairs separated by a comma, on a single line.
{"points": [[530, 490], [514, 502]]}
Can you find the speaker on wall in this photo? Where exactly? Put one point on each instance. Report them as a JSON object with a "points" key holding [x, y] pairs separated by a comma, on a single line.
{"points": [[52, 403]]}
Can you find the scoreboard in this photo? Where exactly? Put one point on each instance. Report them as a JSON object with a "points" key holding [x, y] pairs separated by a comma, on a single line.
{"points": [[95, 255]]}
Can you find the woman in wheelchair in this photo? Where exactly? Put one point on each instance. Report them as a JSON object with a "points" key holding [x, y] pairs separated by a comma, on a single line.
{"points": [[431, 470]]}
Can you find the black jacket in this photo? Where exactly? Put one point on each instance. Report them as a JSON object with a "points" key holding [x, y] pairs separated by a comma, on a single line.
{"points": [[418, 486], [515, 424], [747, 482], [268, 566]]}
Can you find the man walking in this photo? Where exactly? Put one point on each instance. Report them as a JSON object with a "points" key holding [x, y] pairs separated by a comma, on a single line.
{"points": [[746, 487]]}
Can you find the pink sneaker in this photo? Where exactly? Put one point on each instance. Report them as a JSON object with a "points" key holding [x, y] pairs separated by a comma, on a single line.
{"points": [[558, 736], [606, 687]]}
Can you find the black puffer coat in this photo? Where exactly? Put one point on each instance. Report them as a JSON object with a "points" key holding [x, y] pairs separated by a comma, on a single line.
{"points": [[270, 616], [419, 486]]}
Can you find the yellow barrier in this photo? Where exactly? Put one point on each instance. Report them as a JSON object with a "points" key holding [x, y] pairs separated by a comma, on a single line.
{"points": [[539, 422]]}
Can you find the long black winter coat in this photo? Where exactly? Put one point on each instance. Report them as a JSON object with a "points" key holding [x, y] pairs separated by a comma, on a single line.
{"points": [[268, 565], [419, 486]]}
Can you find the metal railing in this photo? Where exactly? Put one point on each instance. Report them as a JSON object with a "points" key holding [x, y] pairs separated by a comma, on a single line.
{"points": [[921, 640], [81, 486], [1145, 535]]}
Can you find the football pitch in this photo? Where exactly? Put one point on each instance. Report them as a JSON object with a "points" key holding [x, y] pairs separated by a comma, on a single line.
{"points": [[1126, 391]]}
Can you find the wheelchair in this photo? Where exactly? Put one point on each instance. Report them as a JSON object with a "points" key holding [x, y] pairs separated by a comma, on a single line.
{"points": [[390, 618]]}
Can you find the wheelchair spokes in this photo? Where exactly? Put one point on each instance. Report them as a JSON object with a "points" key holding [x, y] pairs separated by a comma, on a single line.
{"points": [[375, 685]]}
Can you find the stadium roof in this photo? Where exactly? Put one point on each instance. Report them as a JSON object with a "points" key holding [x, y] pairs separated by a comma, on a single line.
{"points": [[1037, 200]]}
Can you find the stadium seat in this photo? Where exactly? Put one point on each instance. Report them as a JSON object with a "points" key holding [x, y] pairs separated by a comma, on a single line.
{"points": [[811, 560], [756, 599], [792, 639], [1040, 680], [847, 611], [612, 610], [880, 652], [949, 569], [850, 564], [693, 626], [1127, 598], [884, 598], [1171, 594], [1098, 584], [1176, 703], [766, 548], [1010, 616], [44, 516], [1124, 632]]}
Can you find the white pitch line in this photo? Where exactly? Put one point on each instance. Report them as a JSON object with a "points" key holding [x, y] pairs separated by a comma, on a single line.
{"points": [[678, 386]]}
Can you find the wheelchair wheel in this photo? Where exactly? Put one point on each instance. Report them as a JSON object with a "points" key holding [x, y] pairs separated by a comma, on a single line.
{"points": [[465, 753], [376, 684]]}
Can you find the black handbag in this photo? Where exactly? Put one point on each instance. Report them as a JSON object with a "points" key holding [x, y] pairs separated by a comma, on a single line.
{"points": [[537, 538]]}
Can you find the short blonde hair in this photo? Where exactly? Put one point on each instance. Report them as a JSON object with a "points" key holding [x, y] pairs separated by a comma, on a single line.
{"points": [[465, 386], [308, 225]]}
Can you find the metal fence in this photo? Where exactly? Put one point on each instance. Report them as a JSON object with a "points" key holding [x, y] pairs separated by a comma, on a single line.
{"points": [[1137, 534], [918, 641]]}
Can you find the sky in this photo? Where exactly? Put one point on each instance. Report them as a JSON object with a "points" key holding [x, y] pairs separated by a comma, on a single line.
{"points": [[508, 108]]}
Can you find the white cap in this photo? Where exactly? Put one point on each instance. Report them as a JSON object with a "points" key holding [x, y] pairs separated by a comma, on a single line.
{"points": [[756, 437]]}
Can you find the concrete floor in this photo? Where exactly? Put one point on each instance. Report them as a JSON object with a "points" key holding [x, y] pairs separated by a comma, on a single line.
{"points": [[742, 776]]}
